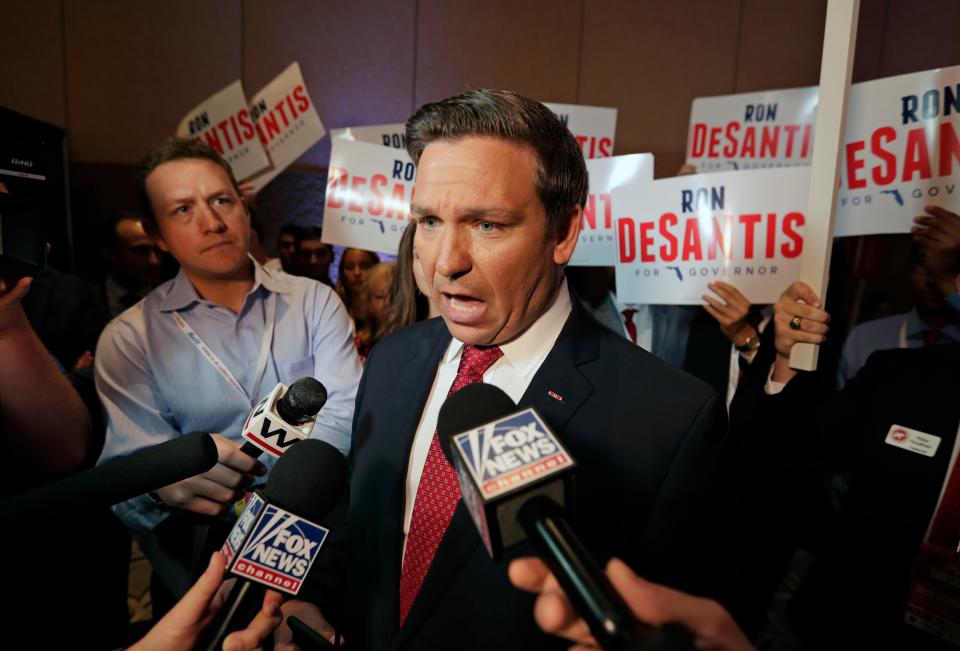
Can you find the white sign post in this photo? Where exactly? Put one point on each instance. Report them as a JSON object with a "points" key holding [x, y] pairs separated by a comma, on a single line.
{"points": [[836, 65]]}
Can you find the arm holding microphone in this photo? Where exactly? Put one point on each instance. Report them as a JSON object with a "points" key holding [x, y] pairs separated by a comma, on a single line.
{"points": [[712, 626], [45, 422]]}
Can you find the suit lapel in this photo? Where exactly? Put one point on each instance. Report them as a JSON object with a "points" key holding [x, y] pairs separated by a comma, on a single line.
{"points": [[558, 374]]}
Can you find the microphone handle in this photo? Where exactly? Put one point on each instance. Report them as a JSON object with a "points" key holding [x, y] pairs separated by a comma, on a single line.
{"points": [[590, 592], [237, 612], [251, 450]]}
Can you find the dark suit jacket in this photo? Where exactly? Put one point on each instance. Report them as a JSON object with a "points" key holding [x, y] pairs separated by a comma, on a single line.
{"points": [[654, 487], [854, 595]]}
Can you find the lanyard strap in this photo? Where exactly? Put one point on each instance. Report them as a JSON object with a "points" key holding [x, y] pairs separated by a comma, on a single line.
{"points": [[221, 368]]}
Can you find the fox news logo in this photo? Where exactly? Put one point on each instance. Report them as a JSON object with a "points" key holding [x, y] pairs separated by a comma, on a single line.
{"points": [[280, 550], [242, 527], [511, 452]]}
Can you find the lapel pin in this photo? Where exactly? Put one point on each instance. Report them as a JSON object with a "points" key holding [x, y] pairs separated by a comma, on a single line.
{"points": [[556, 396]]}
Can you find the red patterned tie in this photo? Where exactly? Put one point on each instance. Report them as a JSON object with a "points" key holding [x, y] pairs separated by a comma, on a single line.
{"points": [[439, 489], [631, 326]]}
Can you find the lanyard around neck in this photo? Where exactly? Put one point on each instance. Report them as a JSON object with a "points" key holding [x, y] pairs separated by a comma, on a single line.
{"points": [[221, 368]]}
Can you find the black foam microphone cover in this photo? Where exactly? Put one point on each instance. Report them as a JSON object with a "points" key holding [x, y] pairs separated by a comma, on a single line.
{"points": [[303, 399], [308, 479], [470, 407]]}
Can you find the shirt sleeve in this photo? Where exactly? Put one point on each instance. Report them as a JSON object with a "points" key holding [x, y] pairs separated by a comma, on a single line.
{"points": [[337, 366], [136, 417]]}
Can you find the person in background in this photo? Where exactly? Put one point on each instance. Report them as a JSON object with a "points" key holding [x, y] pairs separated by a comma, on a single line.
{"points": [[411, 298], [257, 250], [313, 255], [287, 247], [377, 291], [932, 319], [355, 264], [131, 258]]}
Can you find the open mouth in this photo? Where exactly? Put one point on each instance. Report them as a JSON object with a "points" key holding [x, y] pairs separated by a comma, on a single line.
{"points": [[462, 308]]}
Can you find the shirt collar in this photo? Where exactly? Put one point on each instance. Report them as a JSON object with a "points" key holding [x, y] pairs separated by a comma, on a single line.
{"points": [[528, 351], [182, 293]]}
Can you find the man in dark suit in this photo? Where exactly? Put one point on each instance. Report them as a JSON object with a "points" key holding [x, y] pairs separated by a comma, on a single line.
{"points": [[500, 185], [894, 426]]}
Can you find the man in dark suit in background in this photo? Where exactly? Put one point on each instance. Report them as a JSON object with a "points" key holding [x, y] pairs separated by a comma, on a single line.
{"points": [[500, 185]]}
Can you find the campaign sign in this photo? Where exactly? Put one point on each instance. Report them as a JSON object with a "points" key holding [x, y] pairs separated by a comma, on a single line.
{"points": [[268, 431], [594, 127], [901, 152], [597, 245], [388, 135], [369, 188], [242, 526], [287, 121], [511, 452], [223, 121], [752, 130], [676, 235], [901, 146], [279, 550]]}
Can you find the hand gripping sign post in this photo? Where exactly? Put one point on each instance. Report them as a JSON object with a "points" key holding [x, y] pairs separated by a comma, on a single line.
{"points": [[223, 121], [369, 189], [839, 40], [596, 245], [677, 235], [594, 127]]}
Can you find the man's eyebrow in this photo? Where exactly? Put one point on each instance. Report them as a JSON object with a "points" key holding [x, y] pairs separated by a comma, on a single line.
{"points": [[420, 211]]}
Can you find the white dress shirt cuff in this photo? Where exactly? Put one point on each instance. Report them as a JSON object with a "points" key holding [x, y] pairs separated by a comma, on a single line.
{"points": [[772, 387]]}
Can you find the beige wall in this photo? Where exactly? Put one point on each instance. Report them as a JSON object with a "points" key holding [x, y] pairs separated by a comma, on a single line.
{"points": [[120, 75]]}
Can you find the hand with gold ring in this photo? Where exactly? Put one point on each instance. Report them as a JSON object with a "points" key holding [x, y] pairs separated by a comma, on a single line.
{"points": [[797, 318]]}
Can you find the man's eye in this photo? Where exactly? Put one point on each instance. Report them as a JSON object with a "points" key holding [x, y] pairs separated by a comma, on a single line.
{"points": [[182, 210], [223, 201], [487, 227], [429, 223]]}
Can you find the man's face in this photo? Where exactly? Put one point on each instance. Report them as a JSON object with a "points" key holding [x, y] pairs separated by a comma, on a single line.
{"points": [[286, 249], [482, 237], [136, 257], [314, 258], [200, 219]]}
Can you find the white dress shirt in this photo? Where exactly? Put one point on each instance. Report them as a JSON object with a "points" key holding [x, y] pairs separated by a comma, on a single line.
{"points": [[642, 319], [513, 372]]}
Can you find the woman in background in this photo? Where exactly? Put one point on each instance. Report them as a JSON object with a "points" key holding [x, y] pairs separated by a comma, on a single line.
{"points": [[377, 292], [411, 297], [355, 264]]}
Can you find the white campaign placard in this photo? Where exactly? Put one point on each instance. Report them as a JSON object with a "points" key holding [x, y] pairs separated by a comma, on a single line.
{"points": [[223, 121], [752, 130], [901, 151], [388, 135], [596, 246], [676, 235], [286, 120], [901, 144], [594, 127], [369, 188]]}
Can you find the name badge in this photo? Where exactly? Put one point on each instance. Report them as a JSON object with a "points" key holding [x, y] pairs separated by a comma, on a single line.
{"points": [[913, 440]]}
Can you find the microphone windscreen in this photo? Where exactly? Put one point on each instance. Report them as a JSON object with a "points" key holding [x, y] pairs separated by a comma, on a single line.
{"points": [[470, 407], [308, 479], [115, 481], [303, 400]]}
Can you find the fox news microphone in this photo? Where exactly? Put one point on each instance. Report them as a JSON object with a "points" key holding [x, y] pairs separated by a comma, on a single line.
{"points": [[286, 416], [516, 479], [114, 481], [278, 536]]}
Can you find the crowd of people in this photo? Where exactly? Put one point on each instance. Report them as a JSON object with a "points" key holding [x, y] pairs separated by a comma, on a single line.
{"points": [[704, 460]]}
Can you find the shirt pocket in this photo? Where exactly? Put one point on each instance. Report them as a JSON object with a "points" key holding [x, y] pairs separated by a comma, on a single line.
{"points": [[292, 371]]}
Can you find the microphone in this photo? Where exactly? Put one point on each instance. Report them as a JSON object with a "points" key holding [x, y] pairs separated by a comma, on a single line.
{"points": [[278, 536], [516, 479], [286, 415], [113, 482]]}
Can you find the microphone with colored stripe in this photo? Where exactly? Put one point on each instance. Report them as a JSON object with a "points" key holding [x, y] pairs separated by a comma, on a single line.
{"points": [[113, 482], [516, 479], [279, 534], [286, 416]]}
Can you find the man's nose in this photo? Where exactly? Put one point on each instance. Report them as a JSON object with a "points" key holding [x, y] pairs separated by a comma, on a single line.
{"points": [[210, 221], [453, 256]]}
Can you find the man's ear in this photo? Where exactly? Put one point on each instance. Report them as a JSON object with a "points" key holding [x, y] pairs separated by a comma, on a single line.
{"points": [[150, 226], [566, 236]]}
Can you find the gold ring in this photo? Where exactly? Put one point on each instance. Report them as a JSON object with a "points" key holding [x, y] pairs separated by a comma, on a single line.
{"points": [[795, 323]]}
